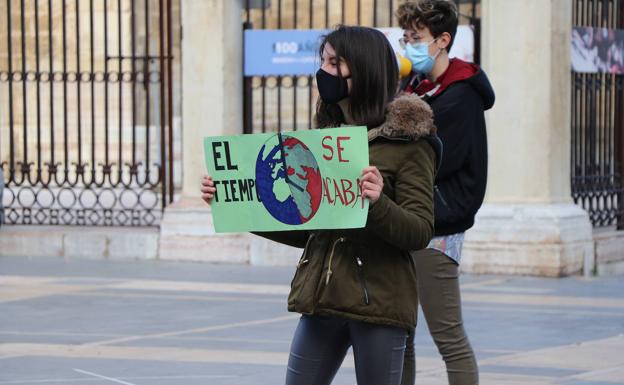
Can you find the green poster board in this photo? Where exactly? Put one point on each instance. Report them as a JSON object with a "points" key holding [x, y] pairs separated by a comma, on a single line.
{"points": [[288, 181]]}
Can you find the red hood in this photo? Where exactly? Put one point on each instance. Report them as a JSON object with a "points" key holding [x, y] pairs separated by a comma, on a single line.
{"points": [[458, 70]]}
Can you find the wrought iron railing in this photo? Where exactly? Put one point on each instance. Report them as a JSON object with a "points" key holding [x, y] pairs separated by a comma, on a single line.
{"points": [[597, 156], [86, 111]]}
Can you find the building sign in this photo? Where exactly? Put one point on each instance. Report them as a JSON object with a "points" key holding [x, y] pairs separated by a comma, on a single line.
{"points": [[295, 51]]}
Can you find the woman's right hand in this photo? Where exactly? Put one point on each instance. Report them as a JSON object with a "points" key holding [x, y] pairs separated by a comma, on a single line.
{"points": [[208, 188]]}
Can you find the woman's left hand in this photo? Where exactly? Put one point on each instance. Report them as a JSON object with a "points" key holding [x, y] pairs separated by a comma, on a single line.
{"points": [[371, 183]]}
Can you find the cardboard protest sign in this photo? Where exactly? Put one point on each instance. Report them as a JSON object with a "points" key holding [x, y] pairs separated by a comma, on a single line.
{"points": [[289, 180]]}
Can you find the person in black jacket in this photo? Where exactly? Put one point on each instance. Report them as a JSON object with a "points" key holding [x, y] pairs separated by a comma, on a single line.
{"points": [[458, 93]]}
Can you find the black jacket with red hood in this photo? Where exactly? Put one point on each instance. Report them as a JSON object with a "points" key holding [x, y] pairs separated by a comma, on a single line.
{"points": [[458, 99]]}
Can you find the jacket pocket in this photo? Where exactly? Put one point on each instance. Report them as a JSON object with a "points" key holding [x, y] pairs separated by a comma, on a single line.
{"points": [[359, 265], [339, 286]]}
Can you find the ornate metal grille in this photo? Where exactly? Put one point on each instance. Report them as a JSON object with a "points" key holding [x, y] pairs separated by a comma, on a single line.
{"points": [[86, 111], [597, 157]]}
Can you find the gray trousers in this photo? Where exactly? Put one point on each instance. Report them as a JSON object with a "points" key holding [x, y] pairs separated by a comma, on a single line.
{"points": [[439, 298]]}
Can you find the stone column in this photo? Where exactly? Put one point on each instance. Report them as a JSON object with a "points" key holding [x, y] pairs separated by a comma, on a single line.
{"points": [[528, 224], [211, 105]]}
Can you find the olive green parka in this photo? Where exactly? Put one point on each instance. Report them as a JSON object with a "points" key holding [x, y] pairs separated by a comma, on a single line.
{"points": [[367, 274]]}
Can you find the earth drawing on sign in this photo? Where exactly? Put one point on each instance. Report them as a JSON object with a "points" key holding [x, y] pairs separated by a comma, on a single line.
{"points": [[288, 180]]}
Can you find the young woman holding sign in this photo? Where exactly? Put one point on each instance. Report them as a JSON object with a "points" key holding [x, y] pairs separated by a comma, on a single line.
{"points": [[357, 287]]}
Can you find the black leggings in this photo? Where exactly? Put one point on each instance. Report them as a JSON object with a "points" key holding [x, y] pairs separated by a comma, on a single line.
{"points": [[320, 344]]}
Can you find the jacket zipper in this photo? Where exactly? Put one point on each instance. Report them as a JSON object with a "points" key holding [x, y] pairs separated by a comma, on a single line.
{"points": [[331, 257], [361, 279], [437, 190], [303, 260]]}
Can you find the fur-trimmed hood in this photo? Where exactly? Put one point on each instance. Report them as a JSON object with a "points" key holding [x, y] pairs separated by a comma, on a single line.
{"points": [[408, 117]]}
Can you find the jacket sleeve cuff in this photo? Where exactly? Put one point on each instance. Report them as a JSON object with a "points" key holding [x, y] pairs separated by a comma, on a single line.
{"points": [[379, 209]]}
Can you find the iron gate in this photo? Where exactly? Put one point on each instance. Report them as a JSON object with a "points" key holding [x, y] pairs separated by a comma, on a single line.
{"points": [[271, 103], [597, 156], [86, 111]]}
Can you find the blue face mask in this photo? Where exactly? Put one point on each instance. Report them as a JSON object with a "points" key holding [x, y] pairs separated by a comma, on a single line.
{"points": [[418, 54]]}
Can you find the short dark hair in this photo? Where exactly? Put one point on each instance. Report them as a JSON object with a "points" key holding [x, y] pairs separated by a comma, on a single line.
{"points": [[374, 76], [438, 16]]}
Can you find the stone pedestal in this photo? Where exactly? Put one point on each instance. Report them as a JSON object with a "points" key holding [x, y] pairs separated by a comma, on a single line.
{"points": [[69, 242], [546, 240], [265, 252], [187, 233], [609, 251], [211, 105]]}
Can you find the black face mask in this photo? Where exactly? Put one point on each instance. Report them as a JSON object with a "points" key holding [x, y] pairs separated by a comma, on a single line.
{"points": [[332, 89]]}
